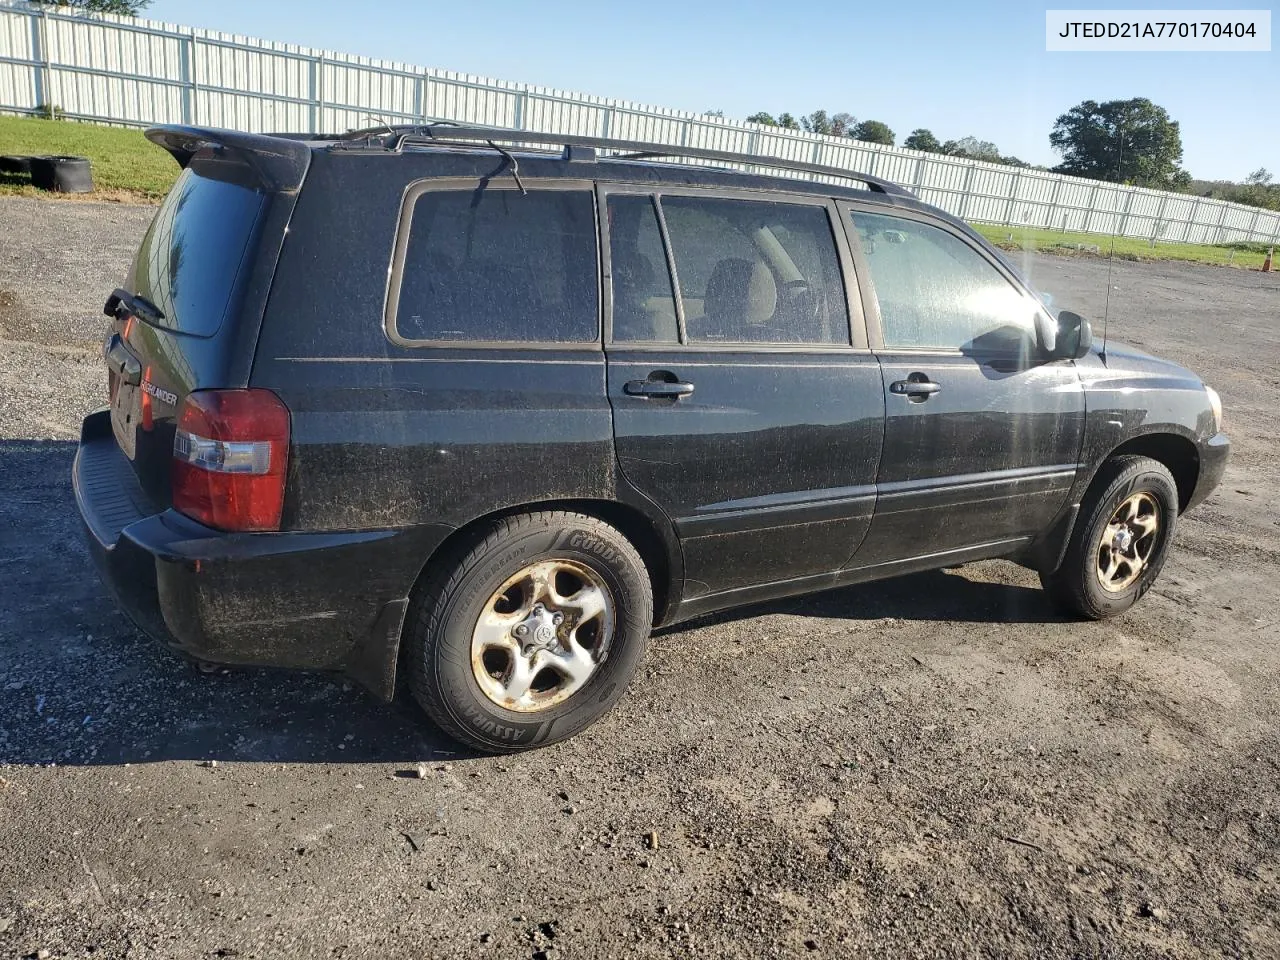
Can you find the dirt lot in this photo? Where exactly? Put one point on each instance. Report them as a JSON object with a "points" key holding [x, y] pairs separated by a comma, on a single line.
{"points": [[932, 766]]}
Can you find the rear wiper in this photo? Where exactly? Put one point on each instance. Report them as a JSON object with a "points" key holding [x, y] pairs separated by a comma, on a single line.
{"points": [[394, 139], [135, 304]]}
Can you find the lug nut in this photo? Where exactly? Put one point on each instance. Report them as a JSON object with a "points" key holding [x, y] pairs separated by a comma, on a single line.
{"points": [[521, 630], [558, 619]]}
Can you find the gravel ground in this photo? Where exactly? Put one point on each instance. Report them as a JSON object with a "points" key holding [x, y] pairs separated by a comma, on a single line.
{"points": [[936, 765]]}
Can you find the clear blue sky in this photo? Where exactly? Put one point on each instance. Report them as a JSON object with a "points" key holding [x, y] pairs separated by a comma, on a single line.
{"points": [[958, 67]]}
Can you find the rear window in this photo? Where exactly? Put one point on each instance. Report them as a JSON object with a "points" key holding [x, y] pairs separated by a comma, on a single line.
{"points": [[498, 265], [191, 257]]}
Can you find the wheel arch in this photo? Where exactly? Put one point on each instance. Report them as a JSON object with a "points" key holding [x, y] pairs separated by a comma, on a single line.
{"points": [[658, 549], [1178, 454]]}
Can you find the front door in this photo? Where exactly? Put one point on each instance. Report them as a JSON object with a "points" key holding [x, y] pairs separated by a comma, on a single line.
{"points": [[982, 437], [741, 405]]}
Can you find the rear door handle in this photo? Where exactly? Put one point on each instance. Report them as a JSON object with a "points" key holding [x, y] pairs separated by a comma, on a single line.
{"points": [[912, 389], [657, 388], [121, 362]]}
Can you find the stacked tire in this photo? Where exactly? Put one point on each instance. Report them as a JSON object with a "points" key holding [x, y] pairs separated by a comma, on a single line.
{"points": [[57, 173]]}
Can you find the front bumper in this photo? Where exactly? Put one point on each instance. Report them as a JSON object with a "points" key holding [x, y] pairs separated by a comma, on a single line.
{"points": [[1214, 454], [301, 599]]}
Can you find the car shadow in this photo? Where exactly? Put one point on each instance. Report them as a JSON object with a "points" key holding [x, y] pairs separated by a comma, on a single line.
{"points": [[79, 685], [941, 595]]}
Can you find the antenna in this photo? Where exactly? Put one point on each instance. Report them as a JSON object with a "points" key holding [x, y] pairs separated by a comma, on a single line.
{"points": [[1111, 260]]}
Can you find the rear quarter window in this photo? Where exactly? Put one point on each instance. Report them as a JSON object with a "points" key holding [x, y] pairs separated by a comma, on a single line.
{"points": [[499, 266], [191, 258]]}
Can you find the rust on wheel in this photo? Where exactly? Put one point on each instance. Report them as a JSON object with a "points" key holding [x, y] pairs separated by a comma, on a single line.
{"points": [[542, 634], [1127, 542]]}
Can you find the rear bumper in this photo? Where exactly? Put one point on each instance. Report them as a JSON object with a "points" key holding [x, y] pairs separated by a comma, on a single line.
{"points": [[310, 600], [1214, 454]]}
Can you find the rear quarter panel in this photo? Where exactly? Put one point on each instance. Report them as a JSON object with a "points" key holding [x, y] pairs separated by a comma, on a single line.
{"points": [[391, 436]]}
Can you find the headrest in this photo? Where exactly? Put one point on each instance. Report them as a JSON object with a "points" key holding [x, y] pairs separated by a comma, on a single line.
{"points": [[744, 288]]}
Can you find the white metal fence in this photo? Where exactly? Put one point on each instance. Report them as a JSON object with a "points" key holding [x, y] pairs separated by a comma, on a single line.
{"points": [[140, 72]]}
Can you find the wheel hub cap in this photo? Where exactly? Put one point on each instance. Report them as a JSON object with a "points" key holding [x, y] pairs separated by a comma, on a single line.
{"points": [[542, 635], [1128, 541]]}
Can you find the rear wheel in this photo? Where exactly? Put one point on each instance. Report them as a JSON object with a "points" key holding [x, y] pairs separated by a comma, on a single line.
{"points": [[1120, 540], [530, 634]]}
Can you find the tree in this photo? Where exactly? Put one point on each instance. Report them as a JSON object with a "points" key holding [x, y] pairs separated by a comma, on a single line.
{"points": [[126, 8], [842, 124], [922, 139], [816, 122], [1124, 141], [763, 118], [971, 148], [873, 131], [1257, 190], [788, 121]]}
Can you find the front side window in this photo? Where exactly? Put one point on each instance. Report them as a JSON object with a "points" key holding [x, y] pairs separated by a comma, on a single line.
{"points": [[498, 265], [756, 271], [937, 292]]}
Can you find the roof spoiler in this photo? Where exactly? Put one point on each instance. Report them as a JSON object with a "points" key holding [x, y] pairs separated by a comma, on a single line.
{"points": [[281, 164]]}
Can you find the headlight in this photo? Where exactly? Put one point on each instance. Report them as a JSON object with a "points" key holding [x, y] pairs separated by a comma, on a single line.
{"points": [[1215, 404]]}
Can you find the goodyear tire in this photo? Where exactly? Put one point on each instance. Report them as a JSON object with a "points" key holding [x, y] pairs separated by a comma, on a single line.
{"points": [[530, 632], [1120, 541]]}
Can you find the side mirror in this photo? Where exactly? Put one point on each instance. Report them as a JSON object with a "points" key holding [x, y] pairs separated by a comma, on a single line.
{"points": [[1074, 337]]}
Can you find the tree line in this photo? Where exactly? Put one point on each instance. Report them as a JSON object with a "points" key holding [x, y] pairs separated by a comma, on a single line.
{"points": [[1133, 141]]}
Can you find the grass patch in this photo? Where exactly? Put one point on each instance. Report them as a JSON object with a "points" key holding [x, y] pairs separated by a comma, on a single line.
{"points": [[1246, 255], [126, 165]]}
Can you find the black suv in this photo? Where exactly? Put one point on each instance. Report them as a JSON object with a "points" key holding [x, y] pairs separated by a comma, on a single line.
{"points": [[410, 403]]}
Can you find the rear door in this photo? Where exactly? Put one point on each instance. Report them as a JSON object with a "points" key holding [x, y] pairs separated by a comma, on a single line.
{"points": [[982, 436], [175, 322], [742, 405]]}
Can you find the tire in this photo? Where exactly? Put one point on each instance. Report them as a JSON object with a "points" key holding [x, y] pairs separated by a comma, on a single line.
{"points": [[461, 623], [12, 164], [1138, 483], [62, 174]]}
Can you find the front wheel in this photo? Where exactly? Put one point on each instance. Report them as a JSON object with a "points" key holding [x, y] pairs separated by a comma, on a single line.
{"points": [[1120, 540], [530, 634]]}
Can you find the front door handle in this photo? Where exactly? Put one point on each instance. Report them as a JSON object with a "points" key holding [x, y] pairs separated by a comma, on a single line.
{"points": [[673, 389], [917, 388]]}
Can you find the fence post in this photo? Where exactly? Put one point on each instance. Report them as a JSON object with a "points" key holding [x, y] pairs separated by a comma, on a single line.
{"points": [[1222, 216], [1054, 203], [918, 178], [1253, 224], [1192, 221], [966, 192], [189, 79], [317, 94], [607, 121], [40, 53], [1164, 202], [1128, 205], [1013, 198]]}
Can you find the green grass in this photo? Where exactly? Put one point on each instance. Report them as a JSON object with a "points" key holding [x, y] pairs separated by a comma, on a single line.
{"points": [[126, 166], [1247, 255]]}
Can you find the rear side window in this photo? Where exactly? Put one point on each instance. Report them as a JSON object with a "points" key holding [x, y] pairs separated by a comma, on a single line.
{"points": [[756, 271], [643, 306], [937, 292], [190, 260], [498, 265]]}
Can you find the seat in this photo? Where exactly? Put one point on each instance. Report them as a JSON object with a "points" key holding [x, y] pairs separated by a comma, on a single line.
{"points": [[741, 299]]}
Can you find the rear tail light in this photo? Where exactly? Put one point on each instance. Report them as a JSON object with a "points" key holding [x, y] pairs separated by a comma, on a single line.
{"points": [[230, 454]]}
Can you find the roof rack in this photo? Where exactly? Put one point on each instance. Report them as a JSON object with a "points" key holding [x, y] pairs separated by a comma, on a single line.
{"points": [[575, 145]]}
